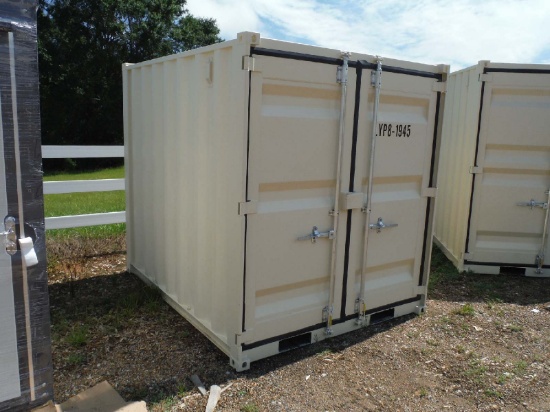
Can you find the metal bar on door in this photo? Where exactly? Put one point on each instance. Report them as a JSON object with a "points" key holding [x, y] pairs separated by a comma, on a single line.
{"points": [[377, 84], [343, 79]]}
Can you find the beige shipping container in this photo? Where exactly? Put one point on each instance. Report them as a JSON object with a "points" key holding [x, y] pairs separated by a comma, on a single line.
{"points": [[278, 193], [494, 171]]}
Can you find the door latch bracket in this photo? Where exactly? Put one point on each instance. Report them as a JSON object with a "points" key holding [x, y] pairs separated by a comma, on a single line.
{"points": [[533, 203], [248, 63], [315, 234], [380, 225]]}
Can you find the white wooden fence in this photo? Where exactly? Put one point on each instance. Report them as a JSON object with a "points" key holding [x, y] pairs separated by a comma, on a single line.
{"points": [[73, 186]]}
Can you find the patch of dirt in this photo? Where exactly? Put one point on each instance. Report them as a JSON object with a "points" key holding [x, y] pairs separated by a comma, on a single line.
{"points": [[483, 344]]}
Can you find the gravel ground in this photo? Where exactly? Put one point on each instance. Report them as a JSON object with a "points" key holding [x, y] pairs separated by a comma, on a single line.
{"points": [[483, 344]]}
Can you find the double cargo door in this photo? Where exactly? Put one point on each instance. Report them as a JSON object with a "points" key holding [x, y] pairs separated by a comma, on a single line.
{"points": [[295, 178], [509, 215]]}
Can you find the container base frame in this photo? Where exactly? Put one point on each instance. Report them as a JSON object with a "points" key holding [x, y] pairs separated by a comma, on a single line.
{"points": [[497, 270], [242, 362], [240, 358]]}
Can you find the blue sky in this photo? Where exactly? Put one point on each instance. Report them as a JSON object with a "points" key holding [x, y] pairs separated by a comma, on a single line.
{"points": [[459, 32]]}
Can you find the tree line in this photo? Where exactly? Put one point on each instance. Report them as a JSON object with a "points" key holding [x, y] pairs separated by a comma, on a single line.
{"points": [[81, 47]]}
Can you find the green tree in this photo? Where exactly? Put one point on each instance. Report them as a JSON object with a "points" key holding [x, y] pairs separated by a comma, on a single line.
{"points": [[82, 45]]}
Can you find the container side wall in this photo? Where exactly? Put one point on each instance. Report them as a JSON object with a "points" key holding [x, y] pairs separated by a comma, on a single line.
{"points": [[186, 119], [457, 155]]}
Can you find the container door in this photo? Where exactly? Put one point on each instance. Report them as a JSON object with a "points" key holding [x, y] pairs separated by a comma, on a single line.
{"points": [[509, 214], [399, 238], [293, 146], [9, 359]]}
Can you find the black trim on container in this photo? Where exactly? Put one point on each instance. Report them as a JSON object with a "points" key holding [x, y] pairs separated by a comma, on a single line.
{"points": [[501, 264], [246, 198], [346, 266], [267, 341], [380, 308], [282, 337], [295, 56], [337, 62], [429, 202], [475, 164], [408, 72], [358, 81], [532, 71], [359, 76], [425, 243], [434, 143]]}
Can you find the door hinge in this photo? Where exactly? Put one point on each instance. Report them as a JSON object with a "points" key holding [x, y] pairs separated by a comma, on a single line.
{"points": [[243, 337], [429, 192], [248, 63], [485, 77], [475, 170], [342, 71], [440, 87], [326, 314], [248, 208]]}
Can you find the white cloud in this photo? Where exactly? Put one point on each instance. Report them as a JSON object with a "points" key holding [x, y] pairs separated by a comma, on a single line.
{"points": [[458, 32]]}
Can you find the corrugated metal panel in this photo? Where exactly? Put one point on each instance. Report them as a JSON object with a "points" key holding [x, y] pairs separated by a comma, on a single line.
{"points": [[228, 168], [185, 118], [510, 136], [457, 156]]}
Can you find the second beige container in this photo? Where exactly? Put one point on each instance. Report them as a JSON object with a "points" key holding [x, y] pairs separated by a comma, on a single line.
{"points": [[492, 208]]}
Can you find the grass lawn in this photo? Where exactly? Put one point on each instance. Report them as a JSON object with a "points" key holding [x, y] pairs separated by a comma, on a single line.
{"points": [[85, 203]]}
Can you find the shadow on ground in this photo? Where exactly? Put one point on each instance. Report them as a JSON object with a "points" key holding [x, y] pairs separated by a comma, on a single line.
{"points": [[114, 327], [446, 283]]}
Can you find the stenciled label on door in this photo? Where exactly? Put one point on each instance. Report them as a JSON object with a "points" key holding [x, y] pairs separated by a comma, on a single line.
{"points": [[394, 130]]}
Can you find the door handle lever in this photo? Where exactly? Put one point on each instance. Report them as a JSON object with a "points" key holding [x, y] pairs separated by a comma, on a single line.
{"points": [[315, 234], [380, 225], [533, 203]]}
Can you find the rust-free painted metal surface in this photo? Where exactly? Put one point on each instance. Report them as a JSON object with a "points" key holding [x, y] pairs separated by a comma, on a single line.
{"points": [[228, 168], [294, 123], [495, 155], [403, 153], [514, 156]]}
